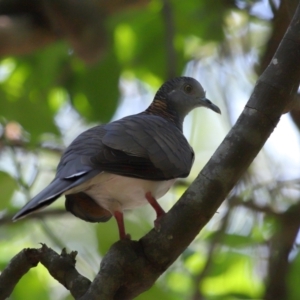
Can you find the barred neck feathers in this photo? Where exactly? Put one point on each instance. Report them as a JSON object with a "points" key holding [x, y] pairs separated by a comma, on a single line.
{"points": [[159, 107]]}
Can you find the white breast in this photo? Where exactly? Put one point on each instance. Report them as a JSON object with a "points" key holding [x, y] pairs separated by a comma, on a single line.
{"points": [[115, 192]]}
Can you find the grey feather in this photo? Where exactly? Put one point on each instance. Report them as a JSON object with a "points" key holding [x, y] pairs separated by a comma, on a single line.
{"points": [[51, 193], [154, 138]]}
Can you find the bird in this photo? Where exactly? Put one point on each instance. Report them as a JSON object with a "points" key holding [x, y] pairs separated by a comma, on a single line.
{"points": [[129, 162]]}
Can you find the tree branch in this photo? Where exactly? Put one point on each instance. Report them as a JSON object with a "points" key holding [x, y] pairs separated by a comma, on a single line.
{"points": [[266, 209], [18, 266], [61, 267]]}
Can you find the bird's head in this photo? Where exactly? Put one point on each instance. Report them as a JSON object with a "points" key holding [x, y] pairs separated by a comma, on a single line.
{"points": [[183, 94]]}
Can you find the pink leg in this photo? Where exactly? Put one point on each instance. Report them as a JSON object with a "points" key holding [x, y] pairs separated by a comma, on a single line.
{"points": [[120, 221], [159, 211]]}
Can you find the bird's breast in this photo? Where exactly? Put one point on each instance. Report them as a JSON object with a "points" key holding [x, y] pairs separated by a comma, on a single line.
{"points": [[116, 192]]}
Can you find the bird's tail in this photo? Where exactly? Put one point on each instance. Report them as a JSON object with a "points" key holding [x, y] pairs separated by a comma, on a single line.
{"points": [[44, 198]]}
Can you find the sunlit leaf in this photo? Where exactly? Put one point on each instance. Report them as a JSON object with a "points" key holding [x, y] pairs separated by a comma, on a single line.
{"points": [[7, 187], [232, 273], [293, 285], [32, 286], [234, 240], [94, 89], [24, 92]]}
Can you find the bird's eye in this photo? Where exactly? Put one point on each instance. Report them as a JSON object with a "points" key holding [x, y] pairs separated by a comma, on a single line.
{"points": [[188, 88]]}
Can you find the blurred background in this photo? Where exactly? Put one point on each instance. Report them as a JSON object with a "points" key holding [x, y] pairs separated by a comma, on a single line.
{"points": [[68, 65]]}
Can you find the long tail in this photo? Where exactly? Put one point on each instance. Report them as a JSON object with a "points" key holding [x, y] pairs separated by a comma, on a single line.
{"points": [[44, 198], [53, 191]]}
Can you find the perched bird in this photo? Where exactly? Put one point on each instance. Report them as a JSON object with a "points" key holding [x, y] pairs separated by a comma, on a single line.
{"points": [[129, 162]]}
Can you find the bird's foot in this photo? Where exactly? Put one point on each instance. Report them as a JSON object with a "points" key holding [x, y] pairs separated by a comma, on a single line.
{"points": [[120, 221], [127, 236], [159, 211], [152, 201], [157, 224]]}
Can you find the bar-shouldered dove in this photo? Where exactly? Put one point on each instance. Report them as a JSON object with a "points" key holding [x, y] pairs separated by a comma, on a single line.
{"points": [[129, 162]]}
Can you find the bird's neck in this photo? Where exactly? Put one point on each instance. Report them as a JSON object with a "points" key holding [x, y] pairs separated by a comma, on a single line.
{"points": [[161, 109]]}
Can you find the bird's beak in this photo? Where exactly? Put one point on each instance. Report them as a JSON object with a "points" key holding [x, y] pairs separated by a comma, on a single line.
{"points": [[207, 103]]}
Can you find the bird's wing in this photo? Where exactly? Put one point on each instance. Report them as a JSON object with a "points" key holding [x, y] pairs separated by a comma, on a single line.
{"points": [[148, 141]]}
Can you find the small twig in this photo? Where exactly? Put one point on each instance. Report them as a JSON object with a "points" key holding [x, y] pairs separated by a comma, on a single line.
{"points": [[258, 208], [61, 267], [18, 266]]}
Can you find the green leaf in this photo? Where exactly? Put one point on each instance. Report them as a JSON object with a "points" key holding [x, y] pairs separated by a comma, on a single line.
{"points": [[94, 89], [202, 16], [158, 292], [292, 279], [24, 92], [230, 273], [234, 240], [7, 188], [147, 51], [223, 262], [32, 285]]}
